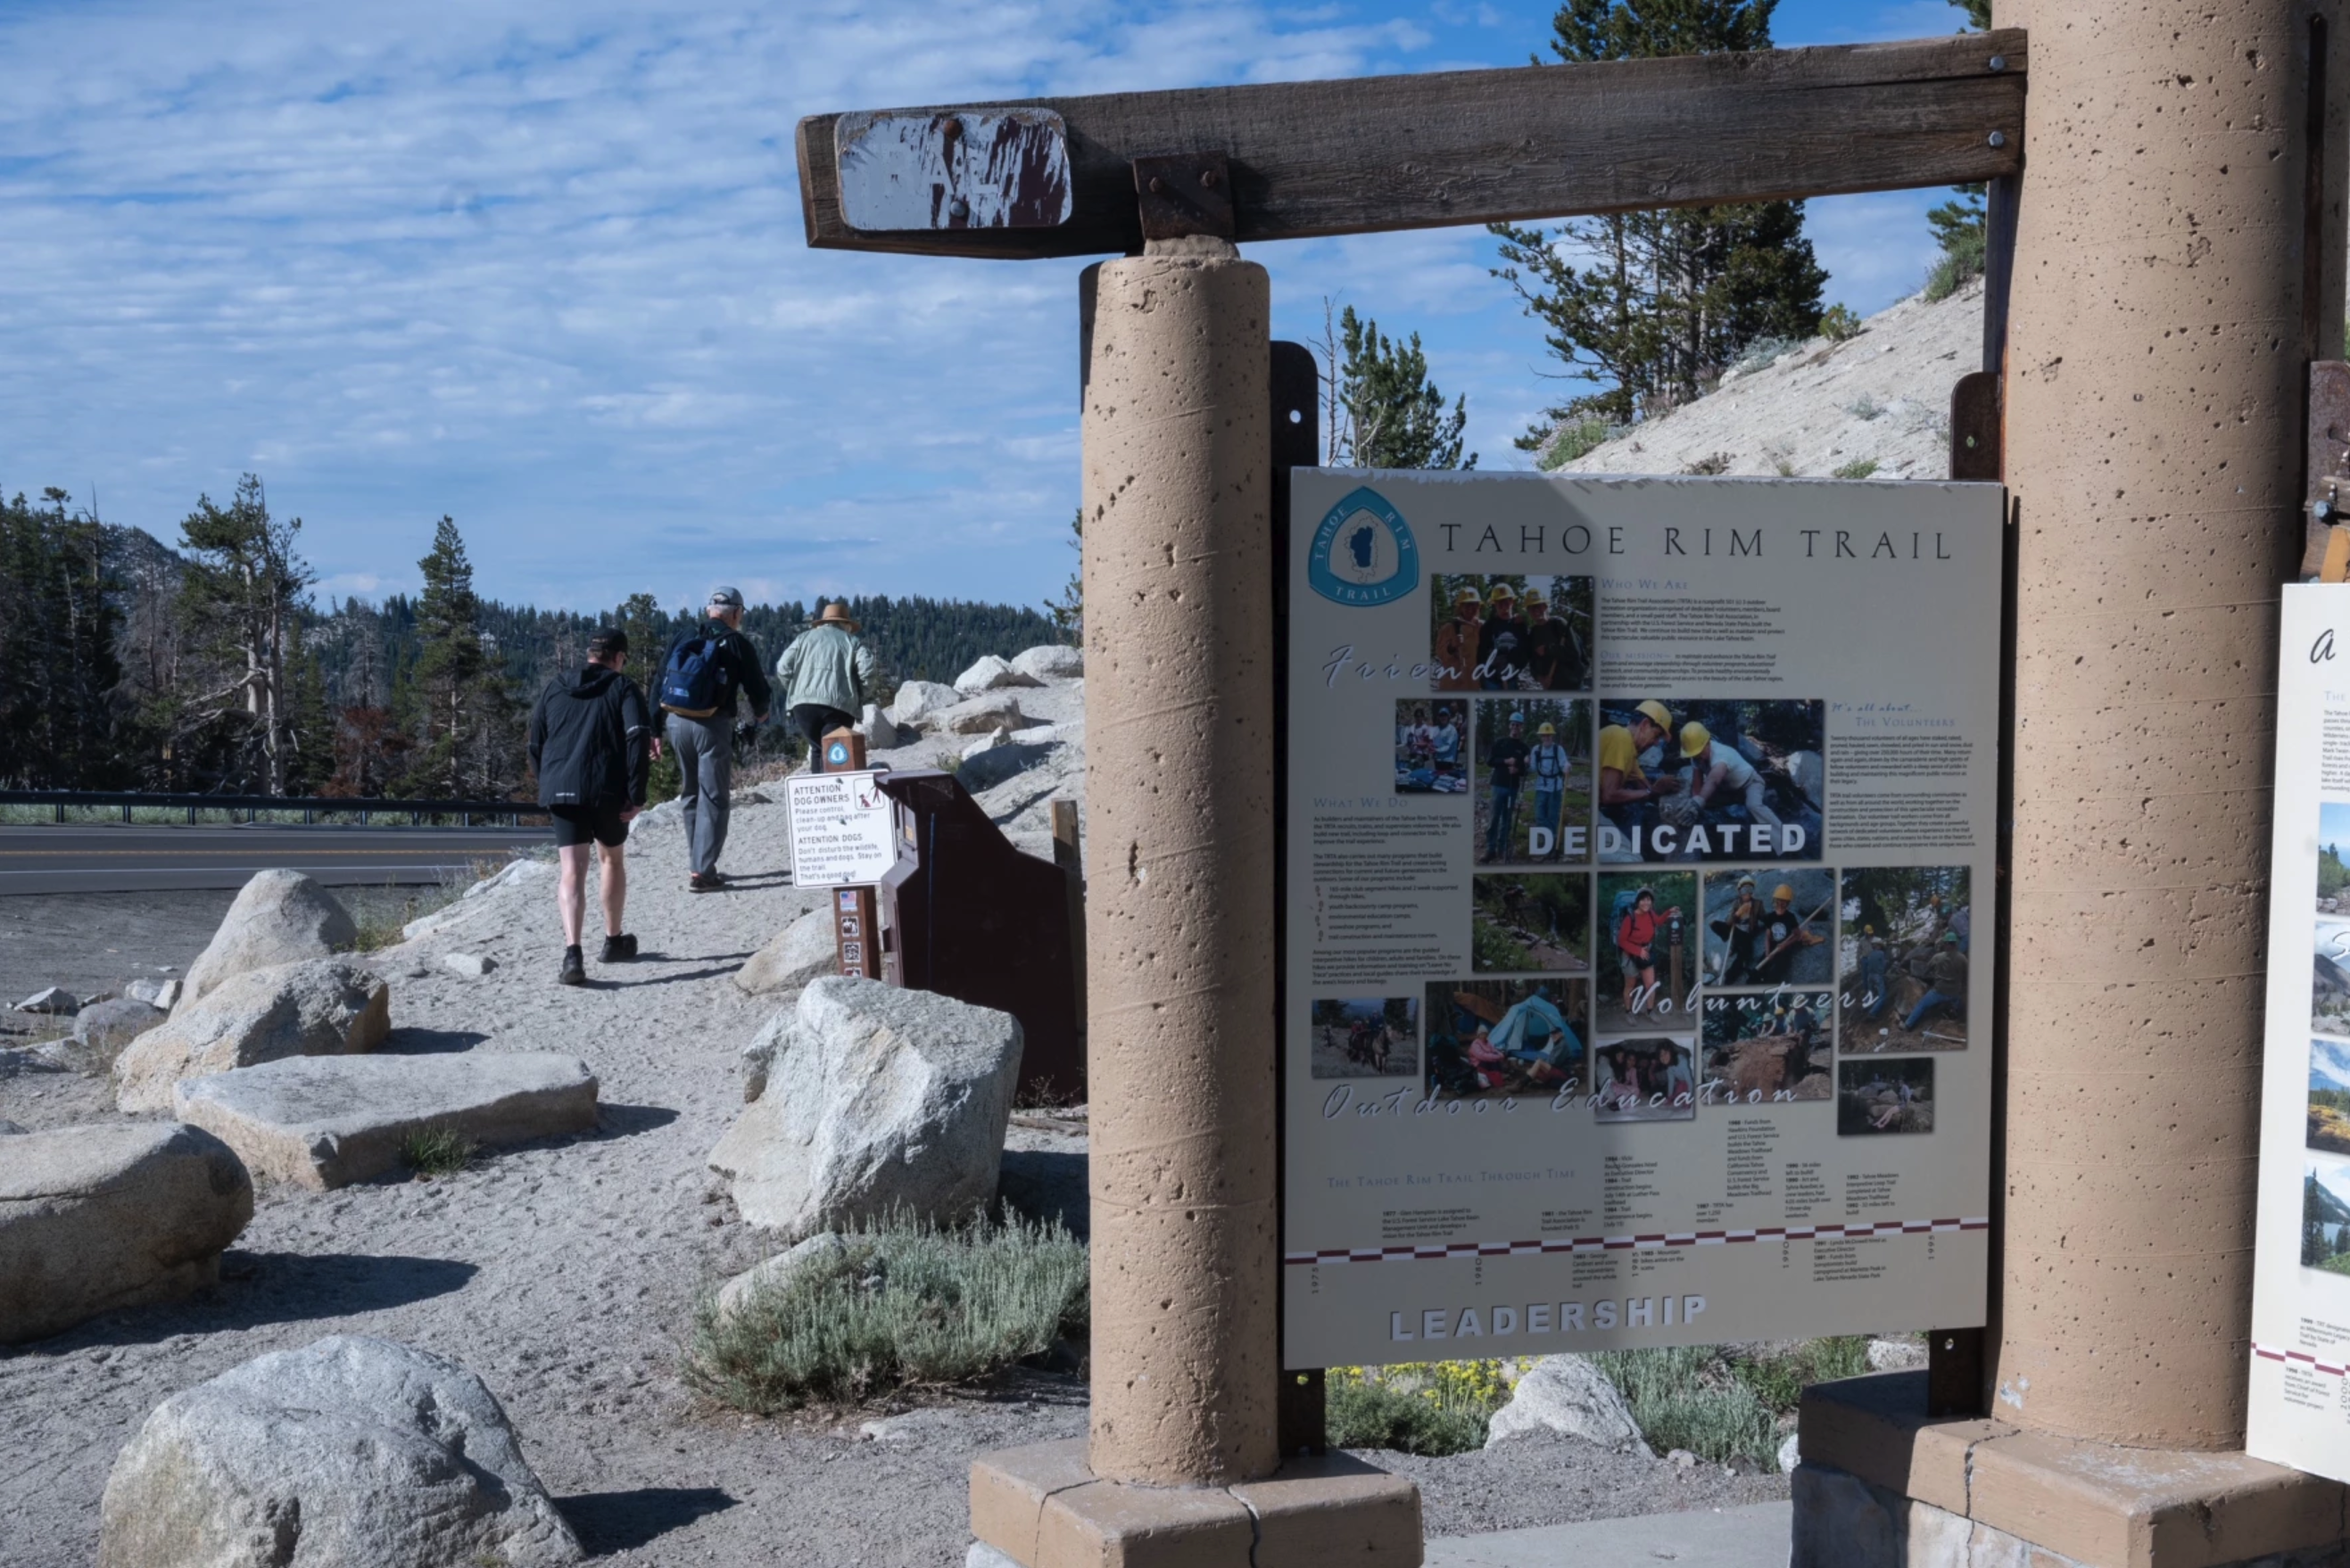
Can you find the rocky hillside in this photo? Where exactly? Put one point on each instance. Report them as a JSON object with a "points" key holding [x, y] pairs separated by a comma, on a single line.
{"points": [[1877, 404]]}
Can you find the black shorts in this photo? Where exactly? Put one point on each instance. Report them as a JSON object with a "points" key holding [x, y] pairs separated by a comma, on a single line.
{"points": [[578, 824]]}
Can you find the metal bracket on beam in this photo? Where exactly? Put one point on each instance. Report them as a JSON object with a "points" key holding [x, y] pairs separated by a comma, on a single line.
{"points": [[2325, 544], [1184, 193], [1977, 427]]}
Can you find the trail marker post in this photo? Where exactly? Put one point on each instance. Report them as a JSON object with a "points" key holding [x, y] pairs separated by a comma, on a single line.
{"points": [[2177, 266]]}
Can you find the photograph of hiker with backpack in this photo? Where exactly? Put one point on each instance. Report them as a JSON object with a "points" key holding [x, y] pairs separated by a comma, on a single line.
{"points": [[1532, 803], [1645, 935], [700, 690]]}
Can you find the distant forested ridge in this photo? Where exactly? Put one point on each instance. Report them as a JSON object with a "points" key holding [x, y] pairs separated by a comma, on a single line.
{"points": [[208, 665]]}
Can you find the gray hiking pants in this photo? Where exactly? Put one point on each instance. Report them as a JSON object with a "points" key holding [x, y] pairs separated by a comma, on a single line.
{"points": [[705, 752]]}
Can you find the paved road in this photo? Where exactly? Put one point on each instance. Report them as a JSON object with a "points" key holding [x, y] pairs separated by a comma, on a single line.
{"points": [[113, 858]]}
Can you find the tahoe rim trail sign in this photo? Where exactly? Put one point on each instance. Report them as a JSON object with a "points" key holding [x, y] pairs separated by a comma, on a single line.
{"points": [[1364, 553], [1635, 849]]}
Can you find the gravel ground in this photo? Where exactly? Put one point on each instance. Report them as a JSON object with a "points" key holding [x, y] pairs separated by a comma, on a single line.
{"points": [[1529, 1480], [565, 1272]]}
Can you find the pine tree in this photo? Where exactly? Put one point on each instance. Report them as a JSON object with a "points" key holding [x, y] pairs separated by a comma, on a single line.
{"points": [[240, 606], [60, 679], [1960, 227], [1385, 412], [1068, 611], [1664, 301], [314, 729], [461, 706]]}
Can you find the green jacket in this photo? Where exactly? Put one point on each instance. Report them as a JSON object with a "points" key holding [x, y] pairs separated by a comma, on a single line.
{"points": [[828, 668]]}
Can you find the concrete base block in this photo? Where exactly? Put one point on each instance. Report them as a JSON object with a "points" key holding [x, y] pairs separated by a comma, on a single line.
{"points": [[1041, 1508], [1880, 1485]]}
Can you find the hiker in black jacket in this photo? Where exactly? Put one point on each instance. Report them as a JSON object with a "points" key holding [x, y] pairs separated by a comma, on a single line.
{"points": [[590, 738], [698, 692]]}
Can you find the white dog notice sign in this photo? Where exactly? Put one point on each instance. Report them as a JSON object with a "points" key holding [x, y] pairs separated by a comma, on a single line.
{"points": [[843, 829]]}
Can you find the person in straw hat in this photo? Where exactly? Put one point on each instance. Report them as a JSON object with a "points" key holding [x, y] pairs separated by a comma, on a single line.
{"points": [[827, 675]]}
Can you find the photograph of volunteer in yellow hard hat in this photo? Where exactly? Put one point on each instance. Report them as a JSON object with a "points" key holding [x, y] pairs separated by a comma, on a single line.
{"points": [[1771, 927], [1509, 631], [1533, 780], [1633, 780], [1690, 779]]}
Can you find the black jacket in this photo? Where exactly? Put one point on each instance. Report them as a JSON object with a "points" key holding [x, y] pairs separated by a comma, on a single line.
{"points": [[589, 741], [738, 657]]}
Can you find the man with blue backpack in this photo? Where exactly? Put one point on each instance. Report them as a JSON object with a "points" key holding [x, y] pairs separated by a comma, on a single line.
{"points": [[700, 684]]}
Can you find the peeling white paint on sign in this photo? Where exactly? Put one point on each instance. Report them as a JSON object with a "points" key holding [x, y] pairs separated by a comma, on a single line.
{"points": [[970, 169]]}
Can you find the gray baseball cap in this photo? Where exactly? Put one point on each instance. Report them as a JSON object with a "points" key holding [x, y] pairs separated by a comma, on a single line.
{"points": [[731, 598]]}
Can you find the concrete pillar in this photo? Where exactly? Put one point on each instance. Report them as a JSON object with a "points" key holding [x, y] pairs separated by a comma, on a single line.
{"points": [[1183, 1465], [2156, 368], [1178, 921]]}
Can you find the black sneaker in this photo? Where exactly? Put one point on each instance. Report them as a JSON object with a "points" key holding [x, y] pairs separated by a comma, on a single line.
{"points": [[619, 950], [575, 969], [702, 882]]}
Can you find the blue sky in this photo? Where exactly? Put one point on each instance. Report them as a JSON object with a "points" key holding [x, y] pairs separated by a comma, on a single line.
{"points": [[540, 266]]}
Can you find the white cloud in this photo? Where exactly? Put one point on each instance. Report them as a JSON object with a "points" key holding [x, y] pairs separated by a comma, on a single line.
{"points": [[541, 267]]}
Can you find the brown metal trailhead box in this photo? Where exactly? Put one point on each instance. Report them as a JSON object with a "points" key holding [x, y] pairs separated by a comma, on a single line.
{"points": [[970, 916]]}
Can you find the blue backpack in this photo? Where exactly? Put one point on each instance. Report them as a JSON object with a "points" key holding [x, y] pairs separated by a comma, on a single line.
{"points": [[693, 683]]}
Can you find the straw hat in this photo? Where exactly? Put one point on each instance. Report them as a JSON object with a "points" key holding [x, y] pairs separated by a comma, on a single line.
{"points": [[836, 614]]}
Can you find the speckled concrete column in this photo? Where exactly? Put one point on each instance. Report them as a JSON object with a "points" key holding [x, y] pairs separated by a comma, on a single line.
{"points": [[1178, 918], [2154, 375]]}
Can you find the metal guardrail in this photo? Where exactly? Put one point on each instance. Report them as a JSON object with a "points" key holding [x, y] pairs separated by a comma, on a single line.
{"points": [[311, 807]]}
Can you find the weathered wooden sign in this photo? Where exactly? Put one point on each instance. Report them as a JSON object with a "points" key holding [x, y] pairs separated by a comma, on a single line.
{"points": [[966, 169]]}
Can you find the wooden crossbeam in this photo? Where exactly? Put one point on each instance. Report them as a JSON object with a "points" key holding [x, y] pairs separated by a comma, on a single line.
{"points": [[1378, 154]]}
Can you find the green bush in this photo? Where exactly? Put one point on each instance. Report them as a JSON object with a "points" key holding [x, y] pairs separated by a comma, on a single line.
{"points": [[1763, 351], [904, 1303], [437, 1150], [1780, 1377], [1841, 324], [383, 922], [1952, 272], [1858, 468], [1724, 1407], [1572, 440], [1435, 1407]]}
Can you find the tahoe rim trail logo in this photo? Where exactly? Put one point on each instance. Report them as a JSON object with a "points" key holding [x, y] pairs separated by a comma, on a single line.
{"points": [[1363, 553]]}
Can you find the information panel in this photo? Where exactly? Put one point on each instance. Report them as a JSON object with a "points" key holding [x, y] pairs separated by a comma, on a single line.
{"points": [[1636, 835], [2300, 1411], [844, 829]]}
